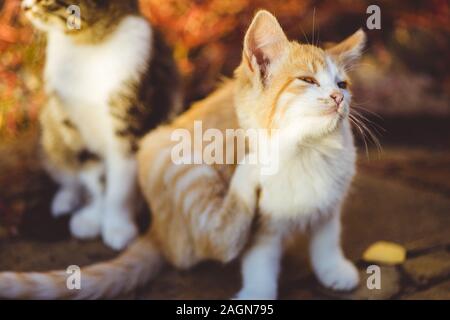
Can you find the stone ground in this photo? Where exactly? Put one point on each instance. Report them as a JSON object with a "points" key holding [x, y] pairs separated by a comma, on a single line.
{"points": [[400, 195]]}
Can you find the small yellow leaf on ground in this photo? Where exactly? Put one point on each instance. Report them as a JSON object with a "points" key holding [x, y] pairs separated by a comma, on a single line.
{"points": [[385, 253]]}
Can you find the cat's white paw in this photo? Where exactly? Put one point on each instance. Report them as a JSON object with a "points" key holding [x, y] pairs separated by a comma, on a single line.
{"points": [[118, 232], [65, 201], [340, 276], [246, 294], [86, 223]]}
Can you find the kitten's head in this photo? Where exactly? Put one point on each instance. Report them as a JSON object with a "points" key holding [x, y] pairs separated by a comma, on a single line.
{"points": [[47, 15], [294, 87]]}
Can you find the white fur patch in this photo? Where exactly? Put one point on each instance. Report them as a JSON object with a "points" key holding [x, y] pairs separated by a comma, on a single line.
{"points": [[316, 178], [85, 76]]}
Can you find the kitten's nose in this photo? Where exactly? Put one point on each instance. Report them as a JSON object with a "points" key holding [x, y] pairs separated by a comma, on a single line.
{"points": [[337, 97]]}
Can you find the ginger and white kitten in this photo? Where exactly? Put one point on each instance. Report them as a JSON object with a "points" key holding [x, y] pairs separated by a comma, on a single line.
{"points": [[221, 212], [108, 83], [300, 93]]}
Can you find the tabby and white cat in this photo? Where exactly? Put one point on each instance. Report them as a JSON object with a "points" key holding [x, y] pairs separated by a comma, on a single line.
{"points": [[222, 211], [108, 83]]}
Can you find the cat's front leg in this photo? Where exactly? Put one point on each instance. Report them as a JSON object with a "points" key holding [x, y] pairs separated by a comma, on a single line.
{"points": [[86, 223], [119, 227], [67, 198], [261, 265], [331, 267]]}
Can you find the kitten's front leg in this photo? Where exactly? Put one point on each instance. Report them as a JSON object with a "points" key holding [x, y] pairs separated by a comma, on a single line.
{"points": [[261, 265], [329, 264], [67, 198], [86, 223], [119, 227]]}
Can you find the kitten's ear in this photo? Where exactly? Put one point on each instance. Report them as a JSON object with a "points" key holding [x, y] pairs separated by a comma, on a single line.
{"points": [[264, 44], [349, 50]]}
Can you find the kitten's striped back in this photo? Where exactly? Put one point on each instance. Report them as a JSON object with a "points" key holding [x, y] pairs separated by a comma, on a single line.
{"points": [[199, 211]]}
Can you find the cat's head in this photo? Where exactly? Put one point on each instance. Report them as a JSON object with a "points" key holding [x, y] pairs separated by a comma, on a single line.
{"points": [[290, 86], [47, 15]]}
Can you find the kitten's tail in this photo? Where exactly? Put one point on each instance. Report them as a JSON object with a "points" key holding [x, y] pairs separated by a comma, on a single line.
{"points": [[134, 267]]}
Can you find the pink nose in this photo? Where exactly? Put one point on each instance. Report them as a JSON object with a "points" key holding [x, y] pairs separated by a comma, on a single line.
{"points": [[337, 97]]}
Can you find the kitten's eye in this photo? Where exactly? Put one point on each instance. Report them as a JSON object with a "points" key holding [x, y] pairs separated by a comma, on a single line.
{"points": [[309, 80], [342, 84]]}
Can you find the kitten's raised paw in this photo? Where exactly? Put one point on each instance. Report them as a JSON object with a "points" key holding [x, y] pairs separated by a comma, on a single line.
{"points": [[118, 233], [86, 223], [65, 201], [339, 276]]}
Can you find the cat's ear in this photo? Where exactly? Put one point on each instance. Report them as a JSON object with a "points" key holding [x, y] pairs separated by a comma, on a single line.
{"points": [[350, 50], [265, 44]]}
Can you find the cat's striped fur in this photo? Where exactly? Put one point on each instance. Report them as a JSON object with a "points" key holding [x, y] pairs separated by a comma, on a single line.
{"points": [[219, 212], [201, 211]]}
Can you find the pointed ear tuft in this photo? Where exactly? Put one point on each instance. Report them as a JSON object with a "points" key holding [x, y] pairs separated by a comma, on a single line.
{"points": [[350, 50], [265, 43]]}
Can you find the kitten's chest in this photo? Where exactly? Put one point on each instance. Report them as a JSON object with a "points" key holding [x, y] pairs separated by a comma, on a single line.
{"points": [[83, 83], [306, 185], [85, 77], [82, 75], [89, 74]]}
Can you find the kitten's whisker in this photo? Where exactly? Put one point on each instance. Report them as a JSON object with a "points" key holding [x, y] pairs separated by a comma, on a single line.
{"points": [[353, 66], [374, 124], [358, 106], [318, 35], [318, 29], [304, 34], [362, 135], [372, 136], [360, 103], [350, 68], [356, 123], [369, 127], [313, 22]]}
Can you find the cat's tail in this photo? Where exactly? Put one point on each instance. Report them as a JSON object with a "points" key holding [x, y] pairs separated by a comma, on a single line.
{"points": [[134, 267]]}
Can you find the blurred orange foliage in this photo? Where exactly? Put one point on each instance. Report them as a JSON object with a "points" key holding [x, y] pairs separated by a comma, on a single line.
{"points": [[20, 96], [207, 35]]}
